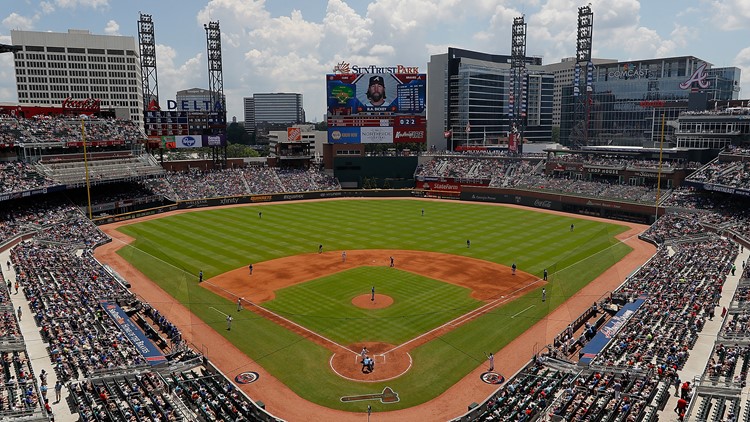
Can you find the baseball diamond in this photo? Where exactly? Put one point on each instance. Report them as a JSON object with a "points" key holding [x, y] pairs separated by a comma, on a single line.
{"points": [[304, 332]]}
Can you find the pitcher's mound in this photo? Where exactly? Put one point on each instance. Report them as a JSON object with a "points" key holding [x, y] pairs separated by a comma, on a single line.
{"points": [[366, 302]]}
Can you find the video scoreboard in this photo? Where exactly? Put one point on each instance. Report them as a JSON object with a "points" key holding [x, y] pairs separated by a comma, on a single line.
{"points": [[376, 107]]}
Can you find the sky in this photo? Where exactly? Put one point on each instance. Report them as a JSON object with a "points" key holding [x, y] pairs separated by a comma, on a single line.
{"points": [[290, 45]]}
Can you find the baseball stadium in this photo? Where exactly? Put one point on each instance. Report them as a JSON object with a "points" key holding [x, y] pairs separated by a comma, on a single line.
{"points": [[256, 293], [367, 268]]}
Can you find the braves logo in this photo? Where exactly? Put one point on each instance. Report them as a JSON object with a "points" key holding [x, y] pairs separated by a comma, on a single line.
{"points": [[492, 378], [247, 377], [700, 75]]}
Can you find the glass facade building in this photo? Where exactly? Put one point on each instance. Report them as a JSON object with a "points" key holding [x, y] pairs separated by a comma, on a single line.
{"points": [[637, 103], [469, 96]]}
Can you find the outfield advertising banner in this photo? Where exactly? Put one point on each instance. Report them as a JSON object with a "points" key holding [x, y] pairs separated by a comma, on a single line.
{"points": [[193, 141], [188, 141], [344, 135], [214, 140], [409, 129], [376, 135]]}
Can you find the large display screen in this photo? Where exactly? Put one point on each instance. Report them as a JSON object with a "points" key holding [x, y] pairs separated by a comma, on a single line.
{"points": [[376, 107]]}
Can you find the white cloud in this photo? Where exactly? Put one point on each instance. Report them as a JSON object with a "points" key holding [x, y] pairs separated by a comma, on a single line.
{"points": [[16, 21], [290, 33], [242, 12], [46, 7], [729, 15], [343, 25], [382, 50], [742, 60], [72, 4], [112, 28], [433, 49], [174, 76], [7, 74]]}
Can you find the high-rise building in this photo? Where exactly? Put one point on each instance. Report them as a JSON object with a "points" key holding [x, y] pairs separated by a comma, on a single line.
{"points": [[629, 100], [469, 99], [249, 107], [198, 99], [564, 73], [269, 109], [54, 67]]}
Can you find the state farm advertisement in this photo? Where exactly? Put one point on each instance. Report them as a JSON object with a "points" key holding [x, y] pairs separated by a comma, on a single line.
{"points": [[449, 184]]}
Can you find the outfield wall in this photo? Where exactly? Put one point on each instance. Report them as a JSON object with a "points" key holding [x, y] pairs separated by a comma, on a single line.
{"points": [[257, 199], [610, 209]]}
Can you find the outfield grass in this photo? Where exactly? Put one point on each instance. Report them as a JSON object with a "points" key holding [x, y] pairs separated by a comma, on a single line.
{"points": [[172, 250]]}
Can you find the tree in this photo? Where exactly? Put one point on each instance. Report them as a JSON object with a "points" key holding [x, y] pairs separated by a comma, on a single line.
{"points": [[321, 125], [555, 133], [241, 151], [236, 134]]}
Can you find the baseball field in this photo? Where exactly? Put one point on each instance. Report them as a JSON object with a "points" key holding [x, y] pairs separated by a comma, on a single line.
{"points": [[306, 315]]}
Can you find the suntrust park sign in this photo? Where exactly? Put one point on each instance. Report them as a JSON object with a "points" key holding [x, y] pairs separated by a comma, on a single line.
{"points": [[345, 67]]}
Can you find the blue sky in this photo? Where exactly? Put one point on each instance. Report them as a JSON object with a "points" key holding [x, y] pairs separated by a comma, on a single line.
{"points": [[289, 45]]}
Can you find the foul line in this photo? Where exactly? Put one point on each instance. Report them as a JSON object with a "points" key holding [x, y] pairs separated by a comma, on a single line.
{"points": [[520, 312], [495, 303], [312, 333]]}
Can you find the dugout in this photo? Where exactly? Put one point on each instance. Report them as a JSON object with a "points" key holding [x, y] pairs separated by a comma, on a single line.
{"points": [[379, 172]]}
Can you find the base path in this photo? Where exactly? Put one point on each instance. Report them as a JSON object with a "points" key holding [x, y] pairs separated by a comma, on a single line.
{"points": [[284, 403]]}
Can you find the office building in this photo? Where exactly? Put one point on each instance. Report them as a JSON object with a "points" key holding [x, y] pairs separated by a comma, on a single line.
{"points": [[637, 103], [564, 73], [469, 99], [79, 66], [273, 110]]}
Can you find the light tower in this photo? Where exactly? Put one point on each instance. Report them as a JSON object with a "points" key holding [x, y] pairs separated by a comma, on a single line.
{"points": [[216, 86], [147, 48], [582, 88], [517, 95]]}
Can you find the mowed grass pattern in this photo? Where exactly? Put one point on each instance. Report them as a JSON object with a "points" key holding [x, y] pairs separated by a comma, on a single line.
{"points": [[420, 304], [172, 250]]}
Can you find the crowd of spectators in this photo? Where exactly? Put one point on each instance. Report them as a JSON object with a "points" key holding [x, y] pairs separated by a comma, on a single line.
{"points": [[64, 286], [64, 291], [139, 397], [66, 129], [488, 169], [630, 378], [522, 174], [18, 176], [623, 163], [731, 216], [17, 219], [538, 182], [213, 397], [198, 184], [735, 174]]}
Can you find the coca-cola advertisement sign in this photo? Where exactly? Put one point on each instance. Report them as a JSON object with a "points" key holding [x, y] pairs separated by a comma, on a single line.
{"points": [[89, 105]]}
